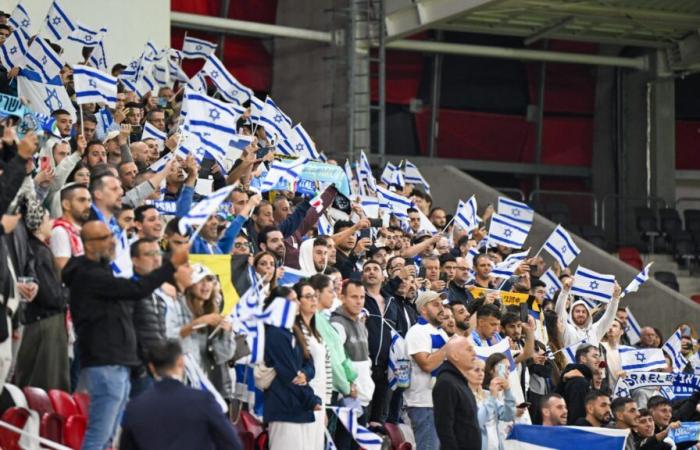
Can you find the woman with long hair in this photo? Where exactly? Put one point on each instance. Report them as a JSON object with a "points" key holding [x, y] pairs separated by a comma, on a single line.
{"points": [[489, 383], [265, 265]]}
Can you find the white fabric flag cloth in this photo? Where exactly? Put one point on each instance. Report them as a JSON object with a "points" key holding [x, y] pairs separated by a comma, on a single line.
{"points": [[194, 47], [466, 216], [44, 97], [634, 331], [283, 175], [93, 86], [122, 267], [520, 212], [593, 285], [13, 51], [638, 280], [672, 347], [412, 175], [20, 17], [41, 58], [552, 283], [364, 437], [58, 23], [151, 132], [506, 268], [641, 359], [85, 36], [507, 232], [562, 247], [205, 208], [229, 87]]}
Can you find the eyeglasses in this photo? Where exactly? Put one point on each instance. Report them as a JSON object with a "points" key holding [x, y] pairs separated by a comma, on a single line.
{"points": [[240, 245]]}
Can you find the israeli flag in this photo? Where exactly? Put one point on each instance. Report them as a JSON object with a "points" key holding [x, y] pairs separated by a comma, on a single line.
{"points": [[562, 247], [142, 85], [93, 86], [412, 175], [300, 143], [506, 268], [280, 313], [19, 19], [283, 174], [397, 354], [534, 437], [85, 36], [197, 83], [484, 351], [98, 58], [426, 224], [516, 211], [507, 232], [41, 58], [392, 176], [393, 203], [466, 216], [364, 172], [197, 379], [44, 97], [57, 21], [151, 132], [351, 179], [191, 144], [205, 208], [275, 123], [176, 72], [370, 205], [193, 47], [105, 123], [552, 283], [213, 119], [324, 226], [161, 163], [292, 276], [672, 347], [634, 331], [638, 280], [122, 267], [13, 50], [365, 438], [641, 359], [271, 102], [570, 352], [593, 285], [229, 87]]}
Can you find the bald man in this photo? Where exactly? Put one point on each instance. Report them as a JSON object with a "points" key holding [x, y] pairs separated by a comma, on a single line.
{"points": [[454, 404], [101, 307]]}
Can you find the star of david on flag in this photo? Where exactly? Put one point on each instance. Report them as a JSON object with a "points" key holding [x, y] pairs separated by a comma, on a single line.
{"points": [[593, 285]]}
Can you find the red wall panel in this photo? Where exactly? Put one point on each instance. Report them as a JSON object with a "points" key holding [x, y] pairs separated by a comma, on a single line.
{"points": [[687, 145]]}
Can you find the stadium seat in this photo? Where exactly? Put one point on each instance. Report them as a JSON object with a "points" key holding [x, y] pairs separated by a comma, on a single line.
{"points": [[695, 298], [667, 278], [63, 404], [558, 213], [9, 440], [251, 424], [398, 442], [692, 220], [51, 427], [670, 220], [74, 431], [631, 256], [38, 400], [647, 225], [82, 401], [595, 236]]}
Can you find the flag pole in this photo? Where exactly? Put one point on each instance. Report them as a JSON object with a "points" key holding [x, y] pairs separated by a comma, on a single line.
{"points": [[449, 223], [82, 121]]}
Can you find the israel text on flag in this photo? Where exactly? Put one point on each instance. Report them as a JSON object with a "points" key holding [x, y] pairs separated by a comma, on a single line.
{"points": [[506, 268], [634, 331], [229, 87], [193, 47], [205, 208], [85, 36], [43, 97], [551, 282], [58, 23], [93, 86], [507, 232], [638, 280], [13, 51], [636, 359], [593, 285], [562, 247], [412, 175], [532, 437], [41, 58], [20, 18], [672, 347], [517, 211], [466, 216], [283, 173]]}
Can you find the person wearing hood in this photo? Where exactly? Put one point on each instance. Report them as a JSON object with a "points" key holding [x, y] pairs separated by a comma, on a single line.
{"points": [[313, 255], [57, 152], [576, 381], [580, 325]]}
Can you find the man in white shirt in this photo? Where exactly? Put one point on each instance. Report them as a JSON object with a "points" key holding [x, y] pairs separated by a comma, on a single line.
{"points": [[425, 344]]}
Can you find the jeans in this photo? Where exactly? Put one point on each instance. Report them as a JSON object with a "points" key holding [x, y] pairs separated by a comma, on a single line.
{"points": [[423, 425], [108, 387]]}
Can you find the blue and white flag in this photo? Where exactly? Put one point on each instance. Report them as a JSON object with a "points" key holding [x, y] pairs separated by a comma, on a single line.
{"points": [[212, 119], [205, 208], [161, 75], [280, 313], [399, 365], [392, 176], [681, 385], [370, 205], [672, 347], [93, 86], [365, 438], [122, 267], [197, 379], [151, 132], [687, 432], [272, 103], [161, 163], [283, 174], [176, 72], [516, 211], [44, 97], [274, 121], [229, 87], [466, 216], [13, 51], [292, 276], [570, 351], [194, 47], [20, 18], [41, 58], [503, 346], [634, 331], [57, 21], [191, 144], [323, 226], [393, 203], [364, 172], [354, 188], [506, 268], [551, 283], [562, 247], [534, 437], [641, 359], [638, 280], [425, 223], [197, 83], [105, 123], [85, 36], [412, 175], [507, 232], [593, 285], [98, 58], [300, 143]]}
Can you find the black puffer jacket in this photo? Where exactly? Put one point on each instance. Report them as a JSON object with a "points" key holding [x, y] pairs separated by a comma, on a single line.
{"points": [[51, 298], [149, 322]]}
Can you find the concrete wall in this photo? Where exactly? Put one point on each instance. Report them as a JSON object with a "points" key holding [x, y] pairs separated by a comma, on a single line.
{"points": [[653, 304]]}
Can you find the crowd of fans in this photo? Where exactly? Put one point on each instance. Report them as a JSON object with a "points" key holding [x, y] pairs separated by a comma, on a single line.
{"points": [[368, 290]]}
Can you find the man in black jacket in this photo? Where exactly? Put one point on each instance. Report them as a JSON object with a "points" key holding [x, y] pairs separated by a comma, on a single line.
{"points": [[456, 289], [454, 405], [102, 314], [574, 388]]}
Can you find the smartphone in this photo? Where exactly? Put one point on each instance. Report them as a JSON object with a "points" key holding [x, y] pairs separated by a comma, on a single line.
{"points": [[162, 102], [44, 163], [365, 233], [501, 370], [524, 405]]}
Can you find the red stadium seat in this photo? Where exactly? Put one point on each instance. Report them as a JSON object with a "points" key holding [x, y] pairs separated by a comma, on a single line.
{"points": [[82, 400], [38, 400], [74, 431], [51, 427], [398, 442], [251, 424], [695, 298], [9, 440], [631, 256], [63, 403]]}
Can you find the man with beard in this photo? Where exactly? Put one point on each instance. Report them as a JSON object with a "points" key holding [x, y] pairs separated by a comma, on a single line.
{"points": [[461, 317], [106, 191], [65, 236], [270, 239], [424, 343], [597, 410], [576, 381], [554, 412], [457, 287]]}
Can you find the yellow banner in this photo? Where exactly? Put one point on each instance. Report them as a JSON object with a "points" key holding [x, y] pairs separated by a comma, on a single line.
{"points": [[507, 298], [221, 266]]}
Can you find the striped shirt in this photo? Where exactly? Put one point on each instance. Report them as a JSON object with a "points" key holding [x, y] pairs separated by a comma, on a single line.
{"points": [[327, 364]]}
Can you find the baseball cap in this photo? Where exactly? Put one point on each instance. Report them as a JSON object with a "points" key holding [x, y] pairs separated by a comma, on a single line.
{"points": [[426, 297], [111, 135], [421, 235], [199, 272]]}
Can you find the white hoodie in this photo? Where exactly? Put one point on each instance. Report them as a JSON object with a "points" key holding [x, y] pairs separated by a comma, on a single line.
{"points": [[591, 332]]}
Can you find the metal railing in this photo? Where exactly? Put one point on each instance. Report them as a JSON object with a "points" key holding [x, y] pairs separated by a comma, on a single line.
{"points": [[514, 193], [687, 200], [576, 209]]}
